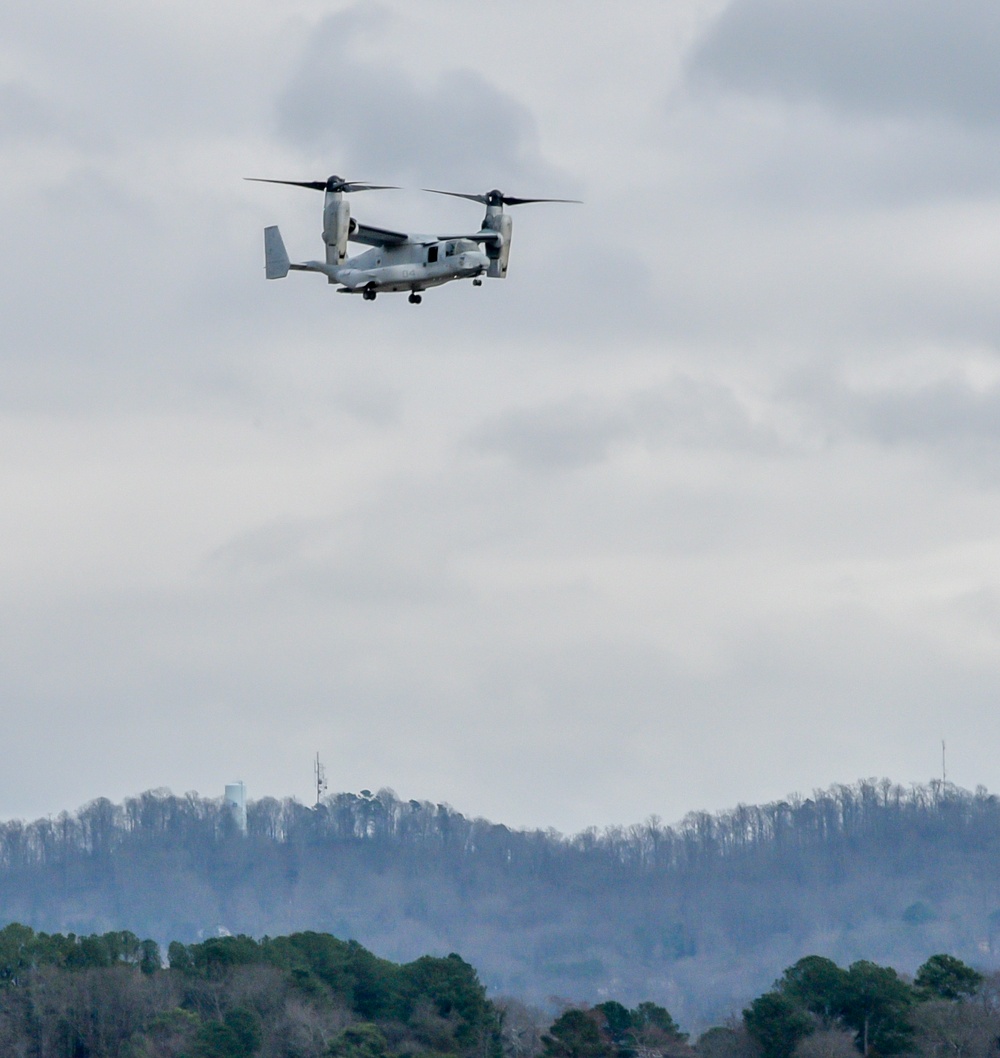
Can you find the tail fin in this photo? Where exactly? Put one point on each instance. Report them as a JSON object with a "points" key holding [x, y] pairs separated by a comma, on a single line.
{"points": [[275, 256]]}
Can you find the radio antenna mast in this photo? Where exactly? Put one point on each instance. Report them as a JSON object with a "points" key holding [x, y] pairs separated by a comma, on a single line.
{"points": [[320, 773], [944, 767]]}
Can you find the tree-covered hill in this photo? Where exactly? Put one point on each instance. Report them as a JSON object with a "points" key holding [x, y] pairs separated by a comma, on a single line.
{"points": [[697, 916], [308, 995]]}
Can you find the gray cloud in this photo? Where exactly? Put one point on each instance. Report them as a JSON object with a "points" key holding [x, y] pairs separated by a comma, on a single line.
{"points": [[453, 547], [23, 113], [798, 159], [687, 412], [559, 437], [942, 414], [122, 75], [335, 562], [909, 58], [372, 117], [951, 417], [800, 108]]}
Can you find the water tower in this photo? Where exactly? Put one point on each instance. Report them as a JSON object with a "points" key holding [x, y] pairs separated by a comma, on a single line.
{"points": [[236, 802]]}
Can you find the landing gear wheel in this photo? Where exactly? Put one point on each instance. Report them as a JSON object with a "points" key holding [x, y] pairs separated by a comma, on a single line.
{"points": [[477, 282], [415, 299], [368, 294]]}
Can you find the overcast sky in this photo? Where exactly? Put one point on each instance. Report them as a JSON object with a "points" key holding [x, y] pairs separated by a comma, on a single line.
{"points": [[701, 505]]}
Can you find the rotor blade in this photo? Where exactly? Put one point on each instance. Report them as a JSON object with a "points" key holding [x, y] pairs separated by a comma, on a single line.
{"points": [[457, 194], [325, 185], [508, 201], [315, 185]]}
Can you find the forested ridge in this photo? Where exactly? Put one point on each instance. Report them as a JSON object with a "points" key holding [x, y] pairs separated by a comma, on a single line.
{"points": [[698, 916]]}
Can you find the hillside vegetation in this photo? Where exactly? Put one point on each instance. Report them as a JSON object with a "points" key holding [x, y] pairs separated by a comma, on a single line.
{"points": [[697, 916], [310, 995], [304, 996]]}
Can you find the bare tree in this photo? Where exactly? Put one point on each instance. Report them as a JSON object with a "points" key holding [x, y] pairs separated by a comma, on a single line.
{"points": [[946, 1029], [827, 1043], [521, 1027]]}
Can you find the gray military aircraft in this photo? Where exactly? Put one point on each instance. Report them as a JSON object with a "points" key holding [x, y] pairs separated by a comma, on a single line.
{"points": [[397, 261]]}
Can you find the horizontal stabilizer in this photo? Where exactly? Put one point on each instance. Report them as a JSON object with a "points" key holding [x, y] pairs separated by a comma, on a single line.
{"points": [[275, 256]]}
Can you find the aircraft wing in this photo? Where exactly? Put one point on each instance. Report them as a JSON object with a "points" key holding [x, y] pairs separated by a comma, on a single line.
{"points": [[486, 235], [372, 236]]}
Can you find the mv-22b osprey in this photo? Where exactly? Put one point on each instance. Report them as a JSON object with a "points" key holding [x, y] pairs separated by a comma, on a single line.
{"points": [[398, 261]]}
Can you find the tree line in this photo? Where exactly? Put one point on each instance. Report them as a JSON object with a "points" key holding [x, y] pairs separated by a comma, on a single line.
{"points": [[816, 1009], [872, 1004], [837, 819], [312, 995], [306, 995], [694, 916]]}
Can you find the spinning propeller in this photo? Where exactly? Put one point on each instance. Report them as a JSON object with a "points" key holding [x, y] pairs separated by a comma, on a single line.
{"points": [[331, 183], [498, 198]]}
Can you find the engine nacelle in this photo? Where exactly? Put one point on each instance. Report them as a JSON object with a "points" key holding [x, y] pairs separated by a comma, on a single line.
{"points": [[336, 227], [498, 255]]}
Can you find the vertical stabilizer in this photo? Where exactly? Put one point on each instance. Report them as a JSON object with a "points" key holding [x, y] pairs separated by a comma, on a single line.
{"points": [[275, 256]]}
